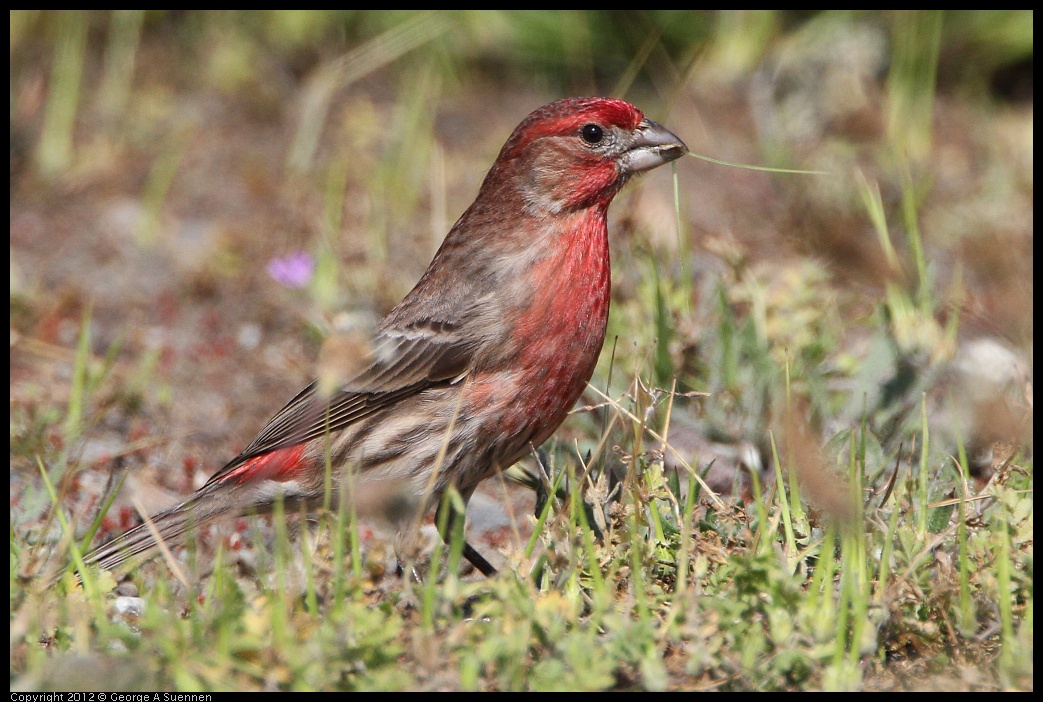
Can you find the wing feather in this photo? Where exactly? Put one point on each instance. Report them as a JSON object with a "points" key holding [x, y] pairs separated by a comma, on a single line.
{"points": [[402, 363]]}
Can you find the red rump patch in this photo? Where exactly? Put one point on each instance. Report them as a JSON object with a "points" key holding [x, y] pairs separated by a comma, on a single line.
{"points": [[280, 465]]}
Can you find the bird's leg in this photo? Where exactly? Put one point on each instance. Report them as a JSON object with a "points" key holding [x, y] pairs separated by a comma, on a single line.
{"points": [[478, 561], [452, 519]]}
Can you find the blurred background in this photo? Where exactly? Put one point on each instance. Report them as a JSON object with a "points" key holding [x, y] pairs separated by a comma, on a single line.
{"points": [[209, 208], [198, 199]]}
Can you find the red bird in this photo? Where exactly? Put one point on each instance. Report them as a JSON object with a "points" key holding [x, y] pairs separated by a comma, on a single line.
{"points": [[481, 361]]}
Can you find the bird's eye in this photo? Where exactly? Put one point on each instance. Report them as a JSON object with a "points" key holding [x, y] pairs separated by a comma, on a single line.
{"points": [[592, 133]]}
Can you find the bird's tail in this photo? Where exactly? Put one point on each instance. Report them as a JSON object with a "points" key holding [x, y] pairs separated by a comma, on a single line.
{"points": [[170, 526]]}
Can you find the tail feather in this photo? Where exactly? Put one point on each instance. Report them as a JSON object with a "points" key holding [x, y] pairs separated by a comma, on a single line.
{"points": [[171, 525]]}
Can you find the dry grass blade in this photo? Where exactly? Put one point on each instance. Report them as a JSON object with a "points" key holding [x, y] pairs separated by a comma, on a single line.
{"points": [[341, 72], [680, 459]]}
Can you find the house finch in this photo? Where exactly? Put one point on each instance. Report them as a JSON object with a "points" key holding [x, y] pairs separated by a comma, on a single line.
{"points": [[481, 361]]}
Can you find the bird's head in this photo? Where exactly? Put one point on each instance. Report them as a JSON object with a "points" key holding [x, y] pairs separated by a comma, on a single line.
{"points": [[578, 152]]}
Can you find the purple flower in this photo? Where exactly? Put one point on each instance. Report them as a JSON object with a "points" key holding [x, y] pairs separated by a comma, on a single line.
{"points": [[293, 271]]}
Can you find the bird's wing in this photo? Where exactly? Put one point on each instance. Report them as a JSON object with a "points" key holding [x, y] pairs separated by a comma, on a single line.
{"points": [[406, 359]]}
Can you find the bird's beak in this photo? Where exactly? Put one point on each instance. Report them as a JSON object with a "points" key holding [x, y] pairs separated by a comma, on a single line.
{"points": [[653, 146]]}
